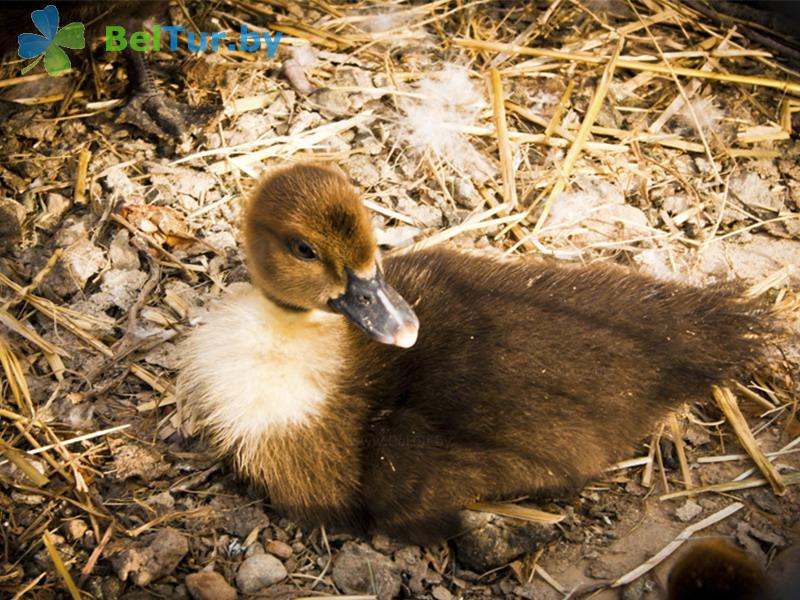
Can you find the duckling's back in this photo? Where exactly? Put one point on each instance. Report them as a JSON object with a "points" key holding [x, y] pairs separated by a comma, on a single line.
{"points": [[530, 378]]}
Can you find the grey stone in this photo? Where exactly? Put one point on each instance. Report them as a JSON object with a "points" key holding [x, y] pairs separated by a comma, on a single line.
{"points": [[253, 549], [136, 460], [259, 572], [121, 253], [441, 593], [11, 216], [766, 501], [411, 561], [57, 206], [152, 558], [80, 261], [363, 170], [688, 511], [75, 528], [491, 541], [358, 569], [465, 194]]}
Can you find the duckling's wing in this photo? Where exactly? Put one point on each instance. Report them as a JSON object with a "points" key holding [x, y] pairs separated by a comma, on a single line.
{"points": [[530, 378]]}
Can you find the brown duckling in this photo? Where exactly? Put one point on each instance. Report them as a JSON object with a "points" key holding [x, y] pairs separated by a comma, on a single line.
{"points": [[714, 569], [526, 378]]}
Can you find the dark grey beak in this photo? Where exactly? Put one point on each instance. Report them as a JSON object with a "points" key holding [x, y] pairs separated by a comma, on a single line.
{"points": [[377, 310]]}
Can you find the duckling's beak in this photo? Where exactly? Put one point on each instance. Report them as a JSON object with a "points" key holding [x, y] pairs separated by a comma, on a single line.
{"points": [[377, 309]]}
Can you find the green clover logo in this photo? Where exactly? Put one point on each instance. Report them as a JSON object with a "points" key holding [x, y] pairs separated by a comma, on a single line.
{"points": [[49, 44]]}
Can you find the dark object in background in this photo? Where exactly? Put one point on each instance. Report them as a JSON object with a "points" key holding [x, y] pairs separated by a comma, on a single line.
{"points": [[714, 569], [148, 109], [774, 25]]}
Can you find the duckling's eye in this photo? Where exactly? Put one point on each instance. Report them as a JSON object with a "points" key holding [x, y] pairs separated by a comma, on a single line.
{"points": [[302, 250]]}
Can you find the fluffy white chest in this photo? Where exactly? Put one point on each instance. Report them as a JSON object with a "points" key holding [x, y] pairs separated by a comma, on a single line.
{"points": [[252, 366]]}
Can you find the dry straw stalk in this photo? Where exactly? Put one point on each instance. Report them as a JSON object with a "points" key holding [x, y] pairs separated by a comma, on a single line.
{"points": [[635, 65], [727, 402]]}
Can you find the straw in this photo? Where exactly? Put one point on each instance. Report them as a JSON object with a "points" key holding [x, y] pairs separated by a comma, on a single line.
{"points": [[727, 403], [501, 129], [583, 133], [783, 86], [61, 569], [684, 535]]}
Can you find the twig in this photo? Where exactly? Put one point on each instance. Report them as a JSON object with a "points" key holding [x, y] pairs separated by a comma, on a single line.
{"points": [[555, 120], [516, 512], [79, 194], [730, 486], [549, 579], [677, 438], [503, 146], [677, 542], [727, 402], [685, 97], [536, 27], [61, 569], [95, 555], [29, 586], [647, 473], [75, 440], [29, 334]]}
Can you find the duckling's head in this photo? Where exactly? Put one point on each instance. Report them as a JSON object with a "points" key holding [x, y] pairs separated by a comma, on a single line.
{"points": [[310, 246]]}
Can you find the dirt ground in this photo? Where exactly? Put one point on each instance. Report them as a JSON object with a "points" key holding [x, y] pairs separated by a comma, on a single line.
{"points": [[114, 239]]}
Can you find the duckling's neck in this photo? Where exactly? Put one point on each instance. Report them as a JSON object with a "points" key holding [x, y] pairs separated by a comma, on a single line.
{"points": [[285, 305], [254, 367], [263, 383]]}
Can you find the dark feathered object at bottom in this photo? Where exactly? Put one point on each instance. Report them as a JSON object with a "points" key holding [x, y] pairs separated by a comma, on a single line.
{"points": [[714, 569]]}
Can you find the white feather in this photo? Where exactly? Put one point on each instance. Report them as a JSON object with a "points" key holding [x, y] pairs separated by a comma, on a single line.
{"points": [[703, 113], [451, 101], [251, 367]]}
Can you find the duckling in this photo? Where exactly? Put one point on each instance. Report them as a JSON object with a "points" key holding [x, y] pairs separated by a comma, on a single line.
{"points": [[382, 394], [714, 569]]}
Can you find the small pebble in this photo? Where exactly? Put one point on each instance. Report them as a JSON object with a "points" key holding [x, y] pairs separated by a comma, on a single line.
{"points": [[209, 585], [465, 194], [441, 593], [156, 556], [688, 511], [280, 549], [75, 528], [766, 501], [492, 541], [358, 569]]}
